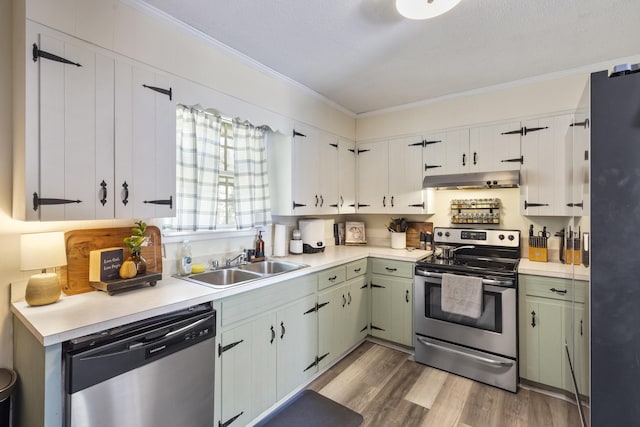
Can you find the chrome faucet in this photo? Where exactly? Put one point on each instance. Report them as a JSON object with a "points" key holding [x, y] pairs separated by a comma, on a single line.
{"points": [[241, 258]]}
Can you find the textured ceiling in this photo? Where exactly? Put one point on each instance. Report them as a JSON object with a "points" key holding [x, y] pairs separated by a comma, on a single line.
{"points": [[363, 56]]}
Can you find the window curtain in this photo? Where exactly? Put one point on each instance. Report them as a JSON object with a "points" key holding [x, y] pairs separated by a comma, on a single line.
{"points": [[253, 203], [198, 159]]}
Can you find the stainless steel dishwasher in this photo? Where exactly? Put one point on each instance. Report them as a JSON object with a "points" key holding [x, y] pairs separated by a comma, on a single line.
{"points": [[155, 372]]}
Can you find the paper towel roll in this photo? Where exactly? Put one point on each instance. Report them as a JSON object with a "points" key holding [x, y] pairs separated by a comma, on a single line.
{"points": [[280, 240]]}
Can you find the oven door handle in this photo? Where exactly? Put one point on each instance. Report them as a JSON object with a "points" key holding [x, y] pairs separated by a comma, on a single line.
{"points": [[473, 356], [484, 281]]}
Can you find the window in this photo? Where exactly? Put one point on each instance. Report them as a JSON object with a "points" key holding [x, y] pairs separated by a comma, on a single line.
{"points": [[226, 211], [221, 173]]}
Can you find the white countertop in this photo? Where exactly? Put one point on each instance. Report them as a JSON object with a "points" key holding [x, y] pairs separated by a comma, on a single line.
{"points": [[78, 315], [553, 269]]}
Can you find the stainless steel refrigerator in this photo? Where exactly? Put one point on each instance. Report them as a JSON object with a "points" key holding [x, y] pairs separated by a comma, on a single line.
{"points": [[615, 252]]}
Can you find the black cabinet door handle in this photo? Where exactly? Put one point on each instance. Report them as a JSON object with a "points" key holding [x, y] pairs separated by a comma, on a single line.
{"points": [[273, 334], [103, 190], [391, 269], [282, 329], [559, 291], [475, 158], [464, 159], [384, 201], [406, 296], [332, 278], [580, 327], [392, 201], [125, 200], [344, 301], [341, 201], [349, 299], [533, 319]]}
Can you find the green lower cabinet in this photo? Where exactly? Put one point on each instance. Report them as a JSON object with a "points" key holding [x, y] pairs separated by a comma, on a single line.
{"points": [[392, 309], [265, 359], [342, 318], [554, 318]]}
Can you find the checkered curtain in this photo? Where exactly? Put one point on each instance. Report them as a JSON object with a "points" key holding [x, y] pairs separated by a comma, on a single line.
{"points": [[253, 203], [197, 164]]}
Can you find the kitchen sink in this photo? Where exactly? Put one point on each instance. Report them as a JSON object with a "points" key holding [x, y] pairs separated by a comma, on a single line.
{"points": [[231, 276], [271, 267], [224, 277]]}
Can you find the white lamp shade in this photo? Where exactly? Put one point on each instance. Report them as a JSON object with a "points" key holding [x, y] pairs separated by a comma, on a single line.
{"points": [[42, 250], [424, 9]]}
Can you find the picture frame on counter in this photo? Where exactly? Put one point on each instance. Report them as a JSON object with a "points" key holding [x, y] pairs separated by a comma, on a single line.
{"points": [[355, 233]]}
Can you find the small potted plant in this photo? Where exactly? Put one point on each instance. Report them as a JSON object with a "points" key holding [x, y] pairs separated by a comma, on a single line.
{"points": [[135, 242]]}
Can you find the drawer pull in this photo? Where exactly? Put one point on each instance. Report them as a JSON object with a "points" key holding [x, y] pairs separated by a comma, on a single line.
{"points": [[332, 278], [559, 291], [357, 270], [391, 269]]}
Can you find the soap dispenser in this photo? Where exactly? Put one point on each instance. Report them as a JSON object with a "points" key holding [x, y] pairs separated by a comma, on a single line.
{"points": [[260, 246]]}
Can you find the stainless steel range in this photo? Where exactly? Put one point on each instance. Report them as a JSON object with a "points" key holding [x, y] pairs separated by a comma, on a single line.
{"points": [[465, 306]]}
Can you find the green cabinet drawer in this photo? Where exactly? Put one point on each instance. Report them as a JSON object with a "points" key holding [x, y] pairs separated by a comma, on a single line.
{"points": [[356, 268], [553, 287], [331, 277], [392, 268]]}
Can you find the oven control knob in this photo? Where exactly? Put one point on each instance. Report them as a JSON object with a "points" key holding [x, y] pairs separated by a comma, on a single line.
{"points": [[439, 233], [501, 237], [447, 234], [511, 237]]}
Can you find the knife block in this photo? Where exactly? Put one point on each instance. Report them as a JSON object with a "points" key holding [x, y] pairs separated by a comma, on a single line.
{"points": [[538, 254]]}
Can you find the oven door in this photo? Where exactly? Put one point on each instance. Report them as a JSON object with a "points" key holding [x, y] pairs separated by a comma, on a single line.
{"points": [[494, 331]]}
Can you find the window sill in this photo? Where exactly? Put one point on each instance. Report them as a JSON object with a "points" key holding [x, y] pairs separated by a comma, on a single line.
{"points": [[194, 236]]}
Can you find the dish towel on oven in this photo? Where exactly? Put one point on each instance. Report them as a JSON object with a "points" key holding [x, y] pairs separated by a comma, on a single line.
{"points": [[462, 295]]}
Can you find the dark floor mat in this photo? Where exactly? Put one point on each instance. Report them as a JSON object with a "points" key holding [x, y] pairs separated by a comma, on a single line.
{"points": [[310, 409]]}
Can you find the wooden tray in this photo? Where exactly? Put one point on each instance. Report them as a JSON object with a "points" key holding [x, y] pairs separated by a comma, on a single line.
{"points": [[79, 243], [414, 230]]}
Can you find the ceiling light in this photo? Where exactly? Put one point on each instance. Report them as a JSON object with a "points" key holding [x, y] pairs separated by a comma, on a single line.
{"points": [[424, 9]]}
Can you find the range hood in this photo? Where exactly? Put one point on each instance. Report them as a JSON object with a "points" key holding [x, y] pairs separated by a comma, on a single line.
{"points": [[501, 179]]}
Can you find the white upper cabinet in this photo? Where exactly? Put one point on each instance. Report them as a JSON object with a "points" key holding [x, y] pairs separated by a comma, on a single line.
{"points": [[478, 149], [546, 170], [494, 148], [90, 126], [446, 152], [347, 176], [69, 131], [145, 155], [315, 176], [390, 177]]}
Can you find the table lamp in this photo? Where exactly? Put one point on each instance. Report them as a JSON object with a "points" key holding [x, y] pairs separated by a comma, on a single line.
{"points": [[42, 251]]}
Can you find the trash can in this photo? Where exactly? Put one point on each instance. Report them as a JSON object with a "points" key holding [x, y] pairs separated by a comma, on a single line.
{"points": [[8, 380]]}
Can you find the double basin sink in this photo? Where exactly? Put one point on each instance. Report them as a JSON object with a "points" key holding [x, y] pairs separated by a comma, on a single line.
{"points": [[231, 276]]}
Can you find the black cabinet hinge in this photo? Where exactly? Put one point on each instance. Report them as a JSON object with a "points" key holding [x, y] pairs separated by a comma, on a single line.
{"points": [[584, 124], [168, 92], [534, 205], [375, 328], [37, 53], [361, 151], [168, 202], [334, 145], [296, 133], [39, 201], [516, 160], [230, 420], [222, 349], [427, 167], [417, 205], [529, 130]]}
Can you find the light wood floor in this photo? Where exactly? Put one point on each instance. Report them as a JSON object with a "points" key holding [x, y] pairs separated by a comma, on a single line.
{"points": [[388, 389]]}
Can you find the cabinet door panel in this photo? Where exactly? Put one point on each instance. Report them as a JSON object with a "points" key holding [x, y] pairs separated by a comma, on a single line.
{"points": [[306, 155], [381, 295], [327, 178], [373, 177], [405, 175], [329, 324], [491, 147], [347, 173], [297, 344], [124, 161], [358, 321], [105, 148], [236, 379], [402, 312]]}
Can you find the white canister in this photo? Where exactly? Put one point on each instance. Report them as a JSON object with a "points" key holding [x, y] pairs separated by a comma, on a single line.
{"points": [[295, 246], [398, 240]]}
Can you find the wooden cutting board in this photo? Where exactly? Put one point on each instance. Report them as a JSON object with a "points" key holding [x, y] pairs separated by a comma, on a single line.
{"points": [[414, 230], [79, 243]]}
